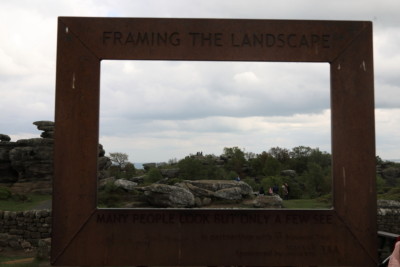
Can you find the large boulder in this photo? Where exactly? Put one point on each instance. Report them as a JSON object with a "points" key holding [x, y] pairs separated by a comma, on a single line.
{"points": [[125, 184], [216, 185], [232, 193], [197, 191], [169, 196], [207, 190], [273, 202], [103, 163], [137, 179], [104, 182], [33, 162]]}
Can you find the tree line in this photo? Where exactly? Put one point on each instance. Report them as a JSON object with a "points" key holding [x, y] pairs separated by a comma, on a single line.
{"points": [[306, 170], [309, 175]]}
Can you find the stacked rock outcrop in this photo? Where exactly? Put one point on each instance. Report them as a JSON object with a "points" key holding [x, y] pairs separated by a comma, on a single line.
{"points": [[28, 163], [7, 172], [47, 127]]}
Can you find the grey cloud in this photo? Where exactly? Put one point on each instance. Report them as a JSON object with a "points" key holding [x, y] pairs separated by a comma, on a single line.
{"points": [[196, 90]]}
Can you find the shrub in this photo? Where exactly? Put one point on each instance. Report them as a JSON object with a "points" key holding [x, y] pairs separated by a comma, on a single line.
{"points": [[325, 198], [174, 181], [154, 175], [5, 193], [252, 183], [111, 196], [391, 194]]}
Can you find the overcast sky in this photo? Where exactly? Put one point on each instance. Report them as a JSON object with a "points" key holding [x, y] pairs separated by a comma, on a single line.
{"points": [[156, 111]]}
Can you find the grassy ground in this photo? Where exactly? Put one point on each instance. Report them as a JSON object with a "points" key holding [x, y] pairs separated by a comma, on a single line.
{"points": [[20, 258], [306, 204], [33, 201]]}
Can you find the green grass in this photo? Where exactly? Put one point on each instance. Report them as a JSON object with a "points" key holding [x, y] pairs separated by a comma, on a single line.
{"points": [[34, 200], [392, 193], [306, 204]]}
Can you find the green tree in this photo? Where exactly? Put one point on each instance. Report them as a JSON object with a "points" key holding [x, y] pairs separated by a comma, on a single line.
{"points": [[299, 157], [121, 168], [281, 154], [152, 176], [190, 168], [270, 181], [272, 167], [380, 184], [119, 159], [235, 160], [257, 163], [314, 181], [129, 169], [323, 159]]}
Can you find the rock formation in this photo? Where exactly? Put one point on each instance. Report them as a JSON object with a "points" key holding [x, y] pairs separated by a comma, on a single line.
{"points": [[271, 202], [125, 184], [28, 163], [161, 195], [7, 173], [195, 193], [205, 191]]}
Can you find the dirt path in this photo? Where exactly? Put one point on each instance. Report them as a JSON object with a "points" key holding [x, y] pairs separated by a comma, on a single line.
{"points": [[26, 260]]}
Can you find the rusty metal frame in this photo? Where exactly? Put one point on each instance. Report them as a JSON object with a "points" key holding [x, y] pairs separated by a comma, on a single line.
{"points": [[85, 235]]}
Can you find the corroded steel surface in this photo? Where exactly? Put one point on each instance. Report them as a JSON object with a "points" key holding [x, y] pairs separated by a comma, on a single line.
{"points": [[86, 235]]}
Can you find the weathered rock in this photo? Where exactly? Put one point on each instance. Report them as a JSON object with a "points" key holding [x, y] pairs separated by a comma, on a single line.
{"points": [[101, 150], [26, 245], [385, 203], [7, 172], [35, 142], [33, 162], [233, 193], [104, 163], [160, 195], [103, 182], [274, 202], [43, 251], [48, 134], [137, 179], [40, 124], [4, 138], [206, 190], [216, 185], [201, 202], [197, 191], [28, 160], [125, 184]]}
